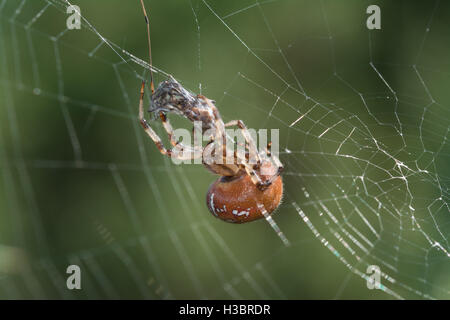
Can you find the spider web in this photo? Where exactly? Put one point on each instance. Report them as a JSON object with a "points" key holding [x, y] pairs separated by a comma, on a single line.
{"points": [[364, 125]]}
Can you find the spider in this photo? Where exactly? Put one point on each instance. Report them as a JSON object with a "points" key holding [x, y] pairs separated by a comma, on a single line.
{"points": [[244, 192]]}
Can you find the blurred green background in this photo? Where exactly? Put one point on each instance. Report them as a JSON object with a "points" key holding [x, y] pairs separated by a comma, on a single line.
{"points": [[82, 184]]}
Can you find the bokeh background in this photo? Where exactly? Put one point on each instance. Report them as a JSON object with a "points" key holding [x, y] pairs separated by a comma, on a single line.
{"points": [[80, 183]]}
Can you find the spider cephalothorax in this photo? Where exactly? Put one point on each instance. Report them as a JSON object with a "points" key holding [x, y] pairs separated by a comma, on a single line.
{"points": [[247, 190]]}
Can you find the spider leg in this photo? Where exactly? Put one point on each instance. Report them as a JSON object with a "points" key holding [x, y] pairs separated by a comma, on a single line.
{"points": [[168, 127], [256, 179], [219, 137], [252, 173], [277, 162], [248, 138], [152, 134], [275, 158]]}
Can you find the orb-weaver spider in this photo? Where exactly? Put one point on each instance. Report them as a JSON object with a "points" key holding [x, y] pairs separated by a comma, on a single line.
{"points": [[244, 192]]}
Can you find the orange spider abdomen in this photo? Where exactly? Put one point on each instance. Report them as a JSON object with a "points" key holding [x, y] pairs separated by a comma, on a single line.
{"points": [[236, 199]]}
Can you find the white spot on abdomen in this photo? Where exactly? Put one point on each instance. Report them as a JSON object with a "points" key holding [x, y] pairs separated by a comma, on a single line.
{"points": [[236, 213], [211, 204]]}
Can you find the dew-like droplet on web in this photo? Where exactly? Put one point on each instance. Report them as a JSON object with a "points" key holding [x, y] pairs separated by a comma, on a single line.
{"points": [[306, 193]]}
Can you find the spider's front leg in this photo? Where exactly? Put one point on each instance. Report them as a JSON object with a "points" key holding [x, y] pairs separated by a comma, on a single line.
{"points": [[156, 139], [150, 132], [197, 150], [248, 138]]}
